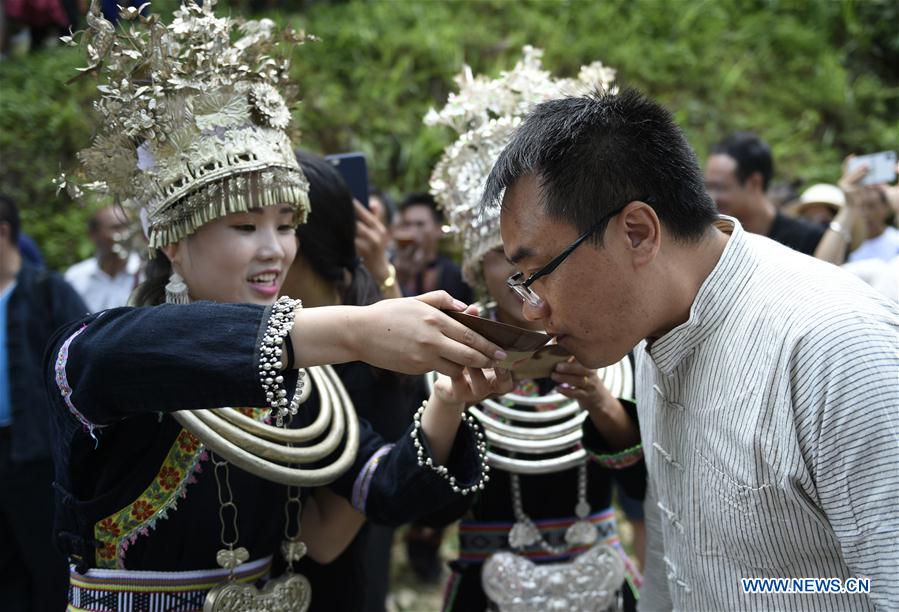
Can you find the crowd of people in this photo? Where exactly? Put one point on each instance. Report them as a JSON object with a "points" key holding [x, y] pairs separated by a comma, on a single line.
{"points": [[257, 377]]}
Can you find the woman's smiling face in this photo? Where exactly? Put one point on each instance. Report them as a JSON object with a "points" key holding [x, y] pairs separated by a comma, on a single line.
{"points": [[241, 257]]}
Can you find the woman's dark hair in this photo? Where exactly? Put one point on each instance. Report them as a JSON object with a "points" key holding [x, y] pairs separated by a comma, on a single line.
{"points": [[327, 239], [151, 292], [328, 242]]}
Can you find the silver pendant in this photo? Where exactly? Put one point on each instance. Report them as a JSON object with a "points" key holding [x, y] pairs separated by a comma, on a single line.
{"points": [[523, 534], [581, 533], [293, 550], [582, 509], [589, 583], [289, 593], [231, 558]]}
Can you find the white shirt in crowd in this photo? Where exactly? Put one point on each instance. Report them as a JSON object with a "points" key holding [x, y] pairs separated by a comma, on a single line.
{"points": [[99, 290], [770, 424], [880, 274], [884, 247]]}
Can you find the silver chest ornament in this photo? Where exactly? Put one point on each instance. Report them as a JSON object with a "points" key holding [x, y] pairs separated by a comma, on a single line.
{"points": [[545, 438], [589, 583], [288, 593]]}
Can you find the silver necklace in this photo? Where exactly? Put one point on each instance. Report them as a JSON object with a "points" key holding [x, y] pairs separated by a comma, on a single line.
{"points": [[290, 592], [525, 532], [287, 593]]}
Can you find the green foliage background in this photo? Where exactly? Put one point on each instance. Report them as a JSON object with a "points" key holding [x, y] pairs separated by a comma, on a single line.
{"points": [[818, 79]]}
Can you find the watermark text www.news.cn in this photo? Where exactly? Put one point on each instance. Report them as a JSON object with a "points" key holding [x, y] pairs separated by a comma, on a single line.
{"points": [[805, 585]]}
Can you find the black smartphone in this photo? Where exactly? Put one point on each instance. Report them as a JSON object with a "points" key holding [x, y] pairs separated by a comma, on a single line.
{"points": [[353, 169]]}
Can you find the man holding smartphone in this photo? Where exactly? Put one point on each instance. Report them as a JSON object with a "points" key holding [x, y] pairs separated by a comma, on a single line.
{"points": [[878, 263]]}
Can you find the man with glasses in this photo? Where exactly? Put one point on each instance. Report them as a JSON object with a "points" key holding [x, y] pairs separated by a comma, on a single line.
{"points": [[767, 382]]}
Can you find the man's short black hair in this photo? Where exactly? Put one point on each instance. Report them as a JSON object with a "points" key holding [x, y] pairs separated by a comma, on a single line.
{"points": [[596, 153], [9, 213], [423, 199], [751, 153]]}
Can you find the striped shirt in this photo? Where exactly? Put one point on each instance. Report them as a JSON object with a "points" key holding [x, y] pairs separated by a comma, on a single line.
{"points": [[770, 423]]}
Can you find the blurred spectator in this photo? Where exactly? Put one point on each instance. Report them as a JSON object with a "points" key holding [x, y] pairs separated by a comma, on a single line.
{"points": [[420, 268], [33, 304], [737, 176], [382, 205], [875, 205], [29, 250], [108, 278], [882, 237], [818, 204], [783, 193], [373, 242], [869, 205], [384, 208], [44, 20]]}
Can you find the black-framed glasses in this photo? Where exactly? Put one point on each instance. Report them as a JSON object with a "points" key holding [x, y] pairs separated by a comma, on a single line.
{"points": [[522, 286]]}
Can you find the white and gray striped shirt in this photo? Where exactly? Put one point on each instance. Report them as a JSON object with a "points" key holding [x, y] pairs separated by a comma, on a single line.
{"points": [[770, 423]]}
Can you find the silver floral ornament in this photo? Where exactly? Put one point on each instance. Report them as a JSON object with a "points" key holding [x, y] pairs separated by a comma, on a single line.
{"points": [[268, 106]]}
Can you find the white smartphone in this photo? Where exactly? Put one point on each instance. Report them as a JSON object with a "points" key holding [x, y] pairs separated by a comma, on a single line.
{"points": [[881, 167]]}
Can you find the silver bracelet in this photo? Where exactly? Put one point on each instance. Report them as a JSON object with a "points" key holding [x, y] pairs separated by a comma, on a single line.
{"points": [[280, 323], [480, 444]]}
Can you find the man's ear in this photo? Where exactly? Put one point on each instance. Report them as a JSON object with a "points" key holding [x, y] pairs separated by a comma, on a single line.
{"points": [[642, 230], [755, 182]]}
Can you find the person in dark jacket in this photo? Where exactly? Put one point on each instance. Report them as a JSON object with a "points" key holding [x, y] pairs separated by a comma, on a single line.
{"points": [[737, 175], [33, 303]]}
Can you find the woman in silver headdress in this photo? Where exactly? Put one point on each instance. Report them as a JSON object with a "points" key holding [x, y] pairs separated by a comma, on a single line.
{"points": [[157, 481], [542, 534]]}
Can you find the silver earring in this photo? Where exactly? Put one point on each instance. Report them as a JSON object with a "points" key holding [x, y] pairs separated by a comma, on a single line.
{"points": [[176, 290]]}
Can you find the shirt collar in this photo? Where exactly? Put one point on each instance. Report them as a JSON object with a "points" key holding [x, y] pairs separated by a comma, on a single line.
{"points": [[717, 296], [132, 267]]}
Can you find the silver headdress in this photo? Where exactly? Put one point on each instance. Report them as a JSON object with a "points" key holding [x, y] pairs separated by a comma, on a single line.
{"points": [[193, 126], [484, 113]]}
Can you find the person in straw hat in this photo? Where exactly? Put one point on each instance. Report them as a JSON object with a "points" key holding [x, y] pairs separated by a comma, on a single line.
{"points": [[818, 204]]}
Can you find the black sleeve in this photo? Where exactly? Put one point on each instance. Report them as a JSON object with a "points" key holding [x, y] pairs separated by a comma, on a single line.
{"points": [[390, 488], [126, 361], [631, 475]]}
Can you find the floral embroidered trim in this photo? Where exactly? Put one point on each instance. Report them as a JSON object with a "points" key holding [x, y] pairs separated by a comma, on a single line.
{"points": [[63, 383], [623, 459], [118, 531], [363, 480]]}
